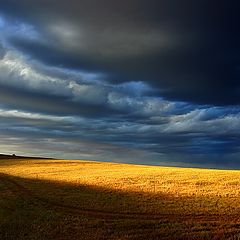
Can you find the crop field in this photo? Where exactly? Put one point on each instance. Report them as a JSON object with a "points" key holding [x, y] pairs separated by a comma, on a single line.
{"points": [[72, 199]]}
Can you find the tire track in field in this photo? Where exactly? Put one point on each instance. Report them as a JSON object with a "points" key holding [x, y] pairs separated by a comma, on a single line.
{"points": [[68, 209], [20, 189]]}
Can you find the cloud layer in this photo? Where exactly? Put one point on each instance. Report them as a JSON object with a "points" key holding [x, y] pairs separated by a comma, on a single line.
{"points": [[145, 81]]}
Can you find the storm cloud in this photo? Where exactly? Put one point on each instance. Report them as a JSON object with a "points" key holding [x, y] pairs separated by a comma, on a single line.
{"points": [[154, 82]]}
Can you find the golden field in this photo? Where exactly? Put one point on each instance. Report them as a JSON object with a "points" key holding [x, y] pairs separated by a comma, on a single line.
{"points": [[72, 199]]}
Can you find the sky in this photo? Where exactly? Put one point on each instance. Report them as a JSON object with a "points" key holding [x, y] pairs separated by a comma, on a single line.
{"points": [[140, 81]]}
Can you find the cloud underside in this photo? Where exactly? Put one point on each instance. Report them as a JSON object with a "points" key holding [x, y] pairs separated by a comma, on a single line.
{"points": [[145, 81]]}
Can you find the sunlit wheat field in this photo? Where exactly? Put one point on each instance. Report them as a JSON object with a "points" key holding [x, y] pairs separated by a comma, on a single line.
{"points": [[118, 201]]}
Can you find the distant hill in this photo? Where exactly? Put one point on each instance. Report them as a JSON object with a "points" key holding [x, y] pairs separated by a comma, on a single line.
{"points": [[5, 156]]}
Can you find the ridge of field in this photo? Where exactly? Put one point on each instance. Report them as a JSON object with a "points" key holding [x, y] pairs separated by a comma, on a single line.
{"points": [[128, 177], [172, 203]]}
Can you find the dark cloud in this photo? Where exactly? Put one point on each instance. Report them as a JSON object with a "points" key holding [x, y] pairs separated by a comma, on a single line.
{"points": [[48, 103], [186, 50]]}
